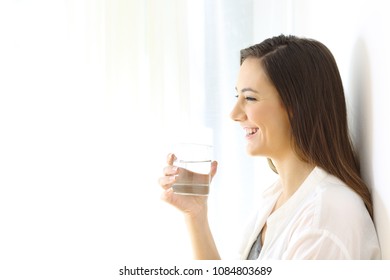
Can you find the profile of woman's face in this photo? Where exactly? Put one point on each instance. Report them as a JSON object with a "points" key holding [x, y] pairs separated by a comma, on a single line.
{"points": [[260, 112]]}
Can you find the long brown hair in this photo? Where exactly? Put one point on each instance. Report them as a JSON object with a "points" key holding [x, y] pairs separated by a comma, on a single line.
{"points": [[305, 74]]}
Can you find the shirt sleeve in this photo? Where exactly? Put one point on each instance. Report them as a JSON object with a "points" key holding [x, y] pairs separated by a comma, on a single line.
{"points": [[316, 245]]}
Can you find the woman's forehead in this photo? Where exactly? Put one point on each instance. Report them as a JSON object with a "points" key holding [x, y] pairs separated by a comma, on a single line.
{"points": [[252, 75]]}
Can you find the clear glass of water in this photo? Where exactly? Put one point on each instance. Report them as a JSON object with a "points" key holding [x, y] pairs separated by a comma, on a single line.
{"points": [[194, 162]]}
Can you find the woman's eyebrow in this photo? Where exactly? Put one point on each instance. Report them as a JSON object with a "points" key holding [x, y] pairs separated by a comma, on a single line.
{"points": [[248, 89]]}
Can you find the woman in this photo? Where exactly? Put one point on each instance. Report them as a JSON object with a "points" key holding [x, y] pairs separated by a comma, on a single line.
{"points": [[291, 104]]}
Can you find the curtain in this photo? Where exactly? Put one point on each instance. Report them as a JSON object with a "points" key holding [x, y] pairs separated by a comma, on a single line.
{"points": [[90, 90], [91, 95]]}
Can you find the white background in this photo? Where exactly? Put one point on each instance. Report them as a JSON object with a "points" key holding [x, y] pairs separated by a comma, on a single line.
{"points": [[92, 93]]}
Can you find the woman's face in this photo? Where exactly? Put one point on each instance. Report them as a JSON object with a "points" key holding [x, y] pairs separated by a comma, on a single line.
{"points": [[260, 112]]}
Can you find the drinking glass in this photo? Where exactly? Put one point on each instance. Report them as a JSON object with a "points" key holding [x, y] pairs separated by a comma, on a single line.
{"points": [[194, 162]]}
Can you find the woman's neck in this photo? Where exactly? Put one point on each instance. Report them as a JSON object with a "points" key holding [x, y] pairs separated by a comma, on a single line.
{"points": [[292, 171]]}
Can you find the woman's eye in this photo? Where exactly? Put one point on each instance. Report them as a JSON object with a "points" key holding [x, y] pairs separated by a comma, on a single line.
{"points": [[247, 98]]}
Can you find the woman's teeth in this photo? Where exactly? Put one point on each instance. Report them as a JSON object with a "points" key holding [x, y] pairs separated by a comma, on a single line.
{"points": [[250, 131]]}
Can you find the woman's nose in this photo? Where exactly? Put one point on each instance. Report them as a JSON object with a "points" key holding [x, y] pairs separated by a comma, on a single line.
{"points": [[237, 114]]}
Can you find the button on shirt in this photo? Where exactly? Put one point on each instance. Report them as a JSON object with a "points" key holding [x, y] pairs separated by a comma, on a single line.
{"points": [[323, 219]]}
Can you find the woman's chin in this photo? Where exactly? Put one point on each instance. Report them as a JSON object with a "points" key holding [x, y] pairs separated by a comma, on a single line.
{"points": [[250, 150]]}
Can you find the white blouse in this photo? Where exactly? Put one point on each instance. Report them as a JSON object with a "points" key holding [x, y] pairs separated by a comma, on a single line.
{"points": [[324, 219]]}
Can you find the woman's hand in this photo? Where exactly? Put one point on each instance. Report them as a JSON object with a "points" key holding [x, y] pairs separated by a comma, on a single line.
{"points": [[191, 205], [195, 210]]}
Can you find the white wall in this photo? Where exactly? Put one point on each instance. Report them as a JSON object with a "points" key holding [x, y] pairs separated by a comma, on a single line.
{"points": [[357, 34]]}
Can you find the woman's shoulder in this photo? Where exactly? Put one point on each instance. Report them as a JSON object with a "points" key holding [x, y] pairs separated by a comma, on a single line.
{"points": [[335, 204], [336, 210], [333, 193]]}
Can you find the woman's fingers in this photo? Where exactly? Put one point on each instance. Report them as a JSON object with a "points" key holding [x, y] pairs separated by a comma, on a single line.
{"points": [[167, 181], [170, 169], [171, 158], [213, 168], [169, 172]]}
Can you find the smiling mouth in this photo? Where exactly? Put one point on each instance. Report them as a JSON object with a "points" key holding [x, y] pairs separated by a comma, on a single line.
{"points": [[250, 131]]}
